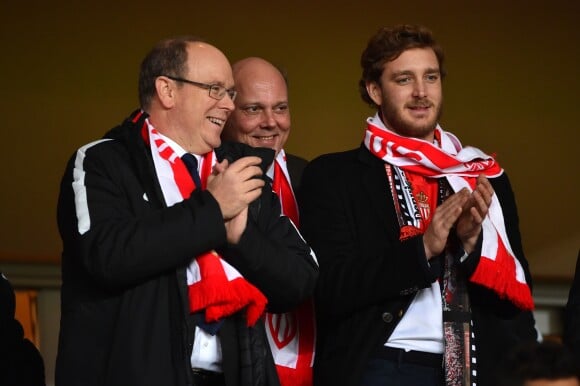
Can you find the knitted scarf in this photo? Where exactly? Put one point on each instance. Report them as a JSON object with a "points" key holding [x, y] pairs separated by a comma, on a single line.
{"points": [[214, 285], [291, 335], [498, 268]]}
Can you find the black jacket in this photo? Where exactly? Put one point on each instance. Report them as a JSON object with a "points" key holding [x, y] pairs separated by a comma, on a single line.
{"points": [[125, 319], [368, 277], [295, 166]]}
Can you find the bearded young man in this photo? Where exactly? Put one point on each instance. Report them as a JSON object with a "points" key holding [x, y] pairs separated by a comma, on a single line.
{"points": [[423, 280]]}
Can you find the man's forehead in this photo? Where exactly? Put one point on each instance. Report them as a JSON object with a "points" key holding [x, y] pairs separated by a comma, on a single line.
{"points": [[413, 60], [210, 70]]}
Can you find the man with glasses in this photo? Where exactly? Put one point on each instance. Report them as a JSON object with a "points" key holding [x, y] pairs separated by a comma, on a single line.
{"points": [[262, 119], [166, 266]]}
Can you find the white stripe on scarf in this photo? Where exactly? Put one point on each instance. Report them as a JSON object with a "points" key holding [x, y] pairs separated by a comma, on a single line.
{"points": [[472, 162]]}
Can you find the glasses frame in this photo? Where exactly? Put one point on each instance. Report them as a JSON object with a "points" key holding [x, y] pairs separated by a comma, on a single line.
{"points": [[216, 91]]}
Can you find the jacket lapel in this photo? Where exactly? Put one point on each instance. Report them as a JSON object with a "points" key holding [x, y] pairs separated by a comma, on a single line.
{"points": [[375, 188]]}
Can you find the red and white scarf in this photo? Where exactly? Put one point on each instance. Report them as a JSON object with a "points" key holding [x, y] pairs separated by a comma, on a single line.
{"points": [[214, 285], [498, 268], [292, 334], [283, 188]]}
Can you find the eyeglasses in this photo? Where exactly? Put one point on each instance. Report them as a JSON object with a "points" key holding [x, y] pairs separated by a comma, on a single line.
{"points": [[215, 90]]}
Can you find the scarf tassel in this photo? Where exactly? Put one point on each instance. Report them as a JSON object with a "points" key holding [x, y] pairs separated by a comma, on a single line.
{"points": [[219, 303], [499, 275], [221, 296], [409, 231]]}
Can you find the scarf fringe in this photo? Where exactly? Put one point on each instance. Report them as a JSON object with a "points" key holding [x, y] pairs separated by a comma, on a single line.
{"points": [[409, 231], [220, 301], [488, 275], [499, 274]]}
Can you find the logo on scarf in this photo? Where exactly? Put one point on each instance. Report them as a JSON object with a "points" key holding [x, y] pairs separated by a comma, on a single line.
{"points": [[283, 328], [479, 164], [423, 204]]}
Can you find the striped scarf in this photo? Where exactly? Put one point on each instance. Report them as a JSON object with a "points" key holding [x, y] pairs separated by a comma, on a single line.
{"points": [[214, 285], [291, 335], [498, 268]]}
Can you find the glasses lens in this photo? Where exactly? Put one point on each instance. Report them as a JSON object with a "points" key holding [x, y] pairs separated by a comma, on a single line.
{"points": [[217, 92]]}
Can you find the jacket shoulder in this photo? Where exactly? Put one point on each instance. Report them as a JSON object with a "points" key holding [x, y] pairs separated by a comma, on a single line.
{"points": [[296, 161], [333, 161]]}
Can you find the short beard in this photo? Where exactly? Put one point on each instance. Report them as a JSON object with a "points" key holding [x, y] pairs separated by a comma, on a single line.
{"points": [[394, 121]]}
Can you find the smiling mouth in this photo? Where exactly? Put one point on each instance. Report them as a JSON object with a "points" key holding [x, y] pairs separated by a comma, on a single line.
{"points": [[265, 138], [217, 121]]}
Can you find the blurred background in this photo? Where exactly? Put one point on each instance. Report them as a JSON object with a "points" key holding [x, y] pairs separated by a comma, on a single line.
{"points": [[69, 72]]}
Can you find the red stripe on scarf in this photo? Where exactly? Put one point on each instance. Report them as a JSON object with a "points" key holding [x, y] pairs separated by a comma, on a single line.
{"points": [[300, 322], [400, 147], [300, 376], [282, 188]]}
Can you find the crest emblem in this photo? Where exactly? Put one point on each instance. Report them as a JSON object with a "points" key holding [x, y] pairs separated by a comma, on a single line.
{"points": [[423, 204]]}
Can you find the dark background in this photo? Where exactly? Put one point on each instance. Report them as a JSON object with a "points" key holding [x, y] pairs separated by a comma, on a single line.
{"points": [[68, 72]]}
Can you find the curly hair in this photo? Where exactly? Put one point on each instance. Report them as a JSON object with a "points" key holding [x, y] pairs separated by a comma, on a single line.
{"points": [[387, 44]]}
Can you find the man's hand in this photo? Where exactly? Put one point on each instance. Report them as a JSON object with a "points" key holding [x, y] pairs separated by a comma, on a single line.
{"points": [[234, 186], [444, 218], [236, 226], [474, 212]]}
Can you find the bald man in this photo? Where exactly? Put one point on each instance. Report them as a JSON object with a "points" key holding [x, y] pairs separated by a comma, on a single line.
{"points": [[262, 114], [262, 119]]}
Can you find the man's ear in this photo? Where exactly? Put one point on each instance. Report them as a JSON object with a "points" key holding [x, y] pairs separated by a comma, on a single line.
{"points": [[375, 92], [165, 88]]}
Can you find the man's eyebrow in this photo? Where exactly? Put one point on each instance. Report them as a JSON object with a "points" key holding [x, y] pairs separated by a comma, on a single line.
{"points": [[402, 72], [430, 70]]}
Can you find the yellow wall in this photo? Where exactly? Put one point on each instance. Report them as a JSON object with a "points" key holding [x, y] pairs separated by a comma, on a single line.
{"points": [[68, 72]]}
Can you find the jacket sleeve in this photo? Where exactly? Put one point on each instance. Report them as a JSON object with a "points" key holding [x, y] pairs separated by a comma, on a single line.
{"points": [[273, 256], [362, 261], [116, 227]]}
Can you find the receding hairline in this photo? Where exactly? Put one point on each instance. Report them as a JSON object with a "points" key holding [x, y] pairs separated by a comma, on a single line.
{"points": [[255, 64], [193, 46]]}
